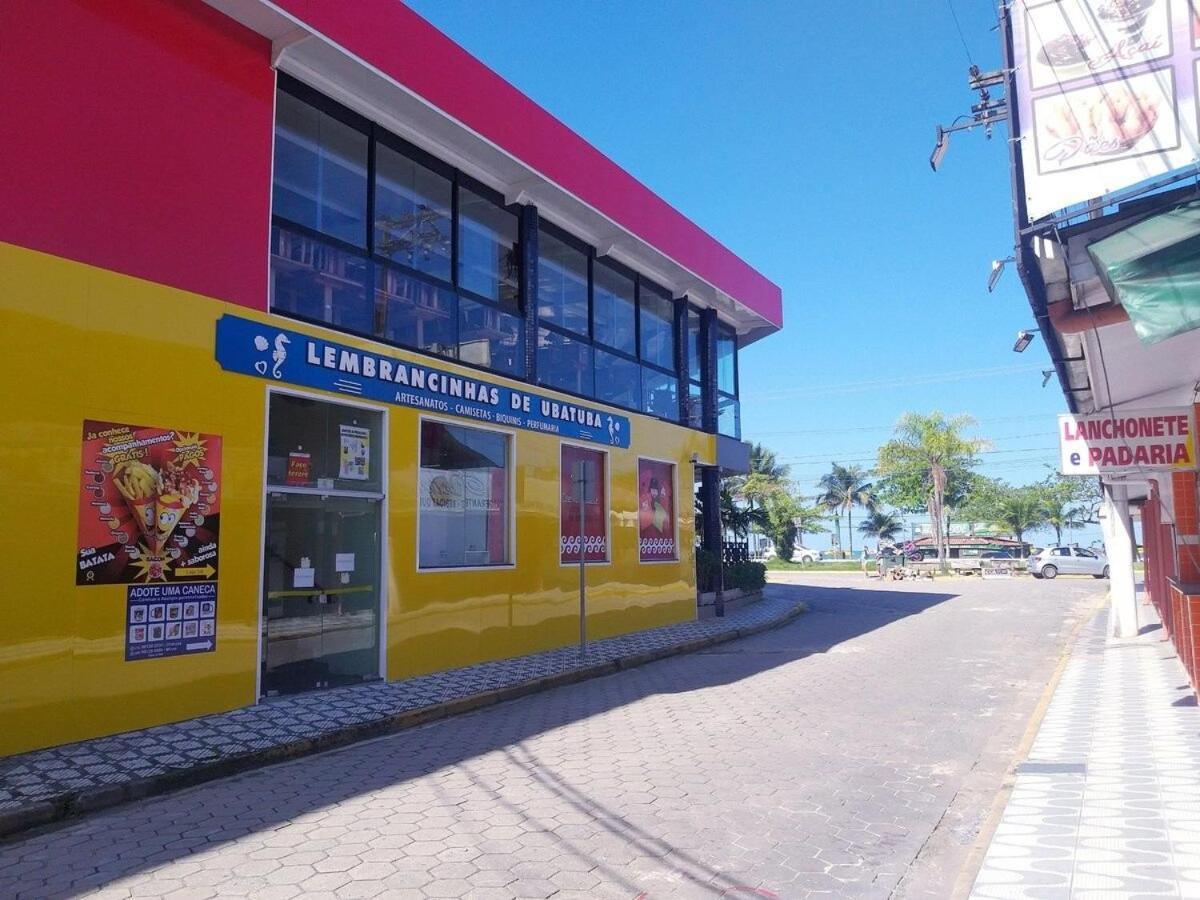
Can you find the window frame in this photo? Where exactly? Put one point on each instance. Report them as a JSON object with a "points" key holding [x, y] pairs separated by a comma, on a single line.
{"points": [[510, 536], [737, 386]]}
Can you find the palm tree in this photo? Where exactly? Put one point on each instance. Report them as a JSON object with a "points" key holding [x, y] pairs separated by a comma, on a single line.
{"points": [[881, 525], [844, 488], [1020, 510], [930, 447], [765, 462]]}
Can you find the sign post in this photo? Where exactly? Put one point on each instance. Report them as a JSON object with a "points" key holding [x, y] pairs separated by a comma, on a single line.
{"points": [[581, 488]]}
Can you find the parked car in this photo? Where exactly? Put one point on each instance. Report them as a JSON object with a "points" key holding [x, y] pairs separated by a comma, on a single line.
{"points": [[801, 554], [1055, 561]]}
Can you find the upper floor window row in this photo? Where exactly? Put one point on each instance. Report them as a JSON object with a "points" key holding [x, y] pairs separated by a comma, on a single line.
{"points": [[342, 179]]}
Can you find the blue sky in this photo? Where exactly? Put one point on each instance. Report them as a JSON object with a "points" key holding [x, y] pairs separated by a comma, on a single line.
{"points": [[798, 134]]}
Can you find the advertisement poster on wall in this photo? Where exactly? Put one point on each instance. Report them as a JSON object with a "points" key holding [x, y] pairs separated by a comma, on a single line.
{"points": [[170, 620], [355, 459], [149, 505], [1106, 95], [593, 537], [656, 511]]}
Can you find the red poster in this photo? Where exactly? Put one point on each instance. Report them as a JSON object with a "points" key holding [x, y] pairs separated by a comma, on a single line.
{"points": [[595, 506], [656, 511], [149, 505], [299, 469]]}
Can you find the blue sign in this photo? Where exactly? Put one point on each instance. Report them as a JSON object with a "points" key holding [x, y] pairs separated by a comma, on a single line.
{"points": [[289, 357], [170, 620]]}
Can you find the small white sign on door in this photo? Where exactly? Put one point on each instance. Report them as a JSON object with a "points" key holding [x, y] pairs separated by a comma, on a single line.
{"points": [[343, 562]]}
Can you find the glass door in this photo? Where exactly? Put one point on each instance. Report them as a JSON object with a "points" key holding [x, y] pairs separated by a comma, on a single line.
{"points": [[321, 582]]}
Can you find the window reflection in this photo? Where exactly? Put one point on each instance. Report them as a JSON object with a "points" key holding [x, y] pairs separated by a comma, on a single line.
{"points": [[660, 394], [488, 259], [491, 338], [320, 171], [618, 380], [562, 284], [317, 281], [412, 213], [658, 327], [613, 311], [416, 313], [564, 362]]}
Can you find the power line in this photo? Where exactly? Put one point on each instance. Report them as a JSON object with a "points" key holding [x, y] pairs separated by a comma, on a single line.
{"points": [[961, 36], [875, 384], [888, 426]]}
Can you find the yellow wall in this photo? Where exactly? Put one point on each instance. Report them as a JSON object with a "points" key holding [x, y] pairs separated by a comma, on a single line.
{"points": [[86, 343]]}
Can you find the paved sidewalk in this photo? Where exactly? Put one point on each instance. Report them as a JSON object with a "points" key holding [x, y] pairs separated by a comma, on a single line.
{"points": [[46, 785], [1108, 803]]}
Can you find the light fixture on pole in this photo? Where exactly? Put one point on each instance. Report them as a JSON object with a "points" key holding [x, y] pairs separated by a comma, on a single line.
{"points": [[1024, 339], [997, 270], [1047, 374], [987, 112]]}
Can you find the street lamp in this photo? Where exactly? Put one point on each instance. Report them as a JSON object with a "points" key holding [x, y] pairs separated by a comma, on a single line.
{"points": [[997, 270], [1024, 339]]}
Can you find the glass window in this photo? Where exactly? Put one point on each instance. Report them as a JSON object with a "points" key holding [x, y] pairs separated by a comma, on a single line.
{"points": [[562, 284], [695, 406], [320, 172], [416, 313], [314, 280], [463, 497], [488, 258], [1085, 553], [1060, 551], [726, 361], [412, 213], [317, 444], [693, 345], [613, 309], [586, 527], [564, 362], [729, 416], [660, 394], [658, 327], [491, 338], [618, 380]]}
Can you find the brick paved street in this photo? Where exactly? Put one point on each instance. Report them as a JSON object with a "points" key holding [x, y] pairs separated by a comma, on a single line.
{"points": [[854, 752]]}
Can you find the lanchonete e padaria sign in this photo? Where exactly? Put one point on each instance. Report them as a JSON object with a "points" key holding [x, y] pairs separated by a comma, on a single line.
{"points": [[1127, 441]]}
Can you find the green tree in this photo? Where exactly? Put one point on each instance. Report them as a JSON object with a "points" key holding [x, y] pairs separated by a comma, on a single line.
{"points": [[926, 451], [1021, 509], [1069, 502], [842, 489], [809, 519], [882, 526], [765, 462], [780, 508]]}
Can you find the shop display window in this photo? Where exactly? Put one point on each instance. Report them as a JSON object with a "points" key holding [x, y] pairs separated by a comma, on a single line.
{"points": [[463, 497], [324, 446]]}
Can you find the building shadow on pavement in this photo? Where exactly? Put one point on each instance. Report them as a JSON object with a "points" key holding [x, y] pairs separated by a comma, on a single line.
{"points": [[85, 854]]}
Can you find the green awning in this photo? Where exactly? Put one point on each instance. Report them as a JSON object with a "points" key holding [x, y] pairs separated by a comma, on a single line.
{"points": [[1153, 270]]}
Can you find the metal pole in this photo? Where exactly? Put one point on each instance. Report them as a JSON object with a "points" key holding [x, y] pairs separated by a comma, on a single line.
{"points": [[581, 486]]}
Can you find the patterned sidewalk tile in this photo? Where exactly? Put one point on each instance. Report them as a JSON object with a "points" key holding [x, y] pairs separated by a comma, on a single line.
{"points": [[1108, 803], [74, 769]]}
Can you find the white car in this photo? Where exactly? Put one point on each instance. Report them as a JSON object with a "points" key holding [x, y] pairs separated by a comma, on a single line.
{"points": [[1055, 561], [801, 554]]}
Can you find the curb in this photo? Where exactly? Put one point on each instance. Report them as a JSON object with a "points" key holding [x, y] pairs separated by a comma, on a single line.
{"points": [[68, 805]]}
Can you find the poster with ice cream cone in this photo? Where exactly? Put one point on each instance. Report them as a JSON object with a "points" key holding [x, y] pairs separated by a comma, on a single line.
{"points": [[149, 505]]}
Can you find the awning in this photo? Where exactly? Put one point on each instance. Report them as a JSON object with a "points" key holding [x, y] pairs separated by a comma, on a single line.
{"points": [[1153, 270]]}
